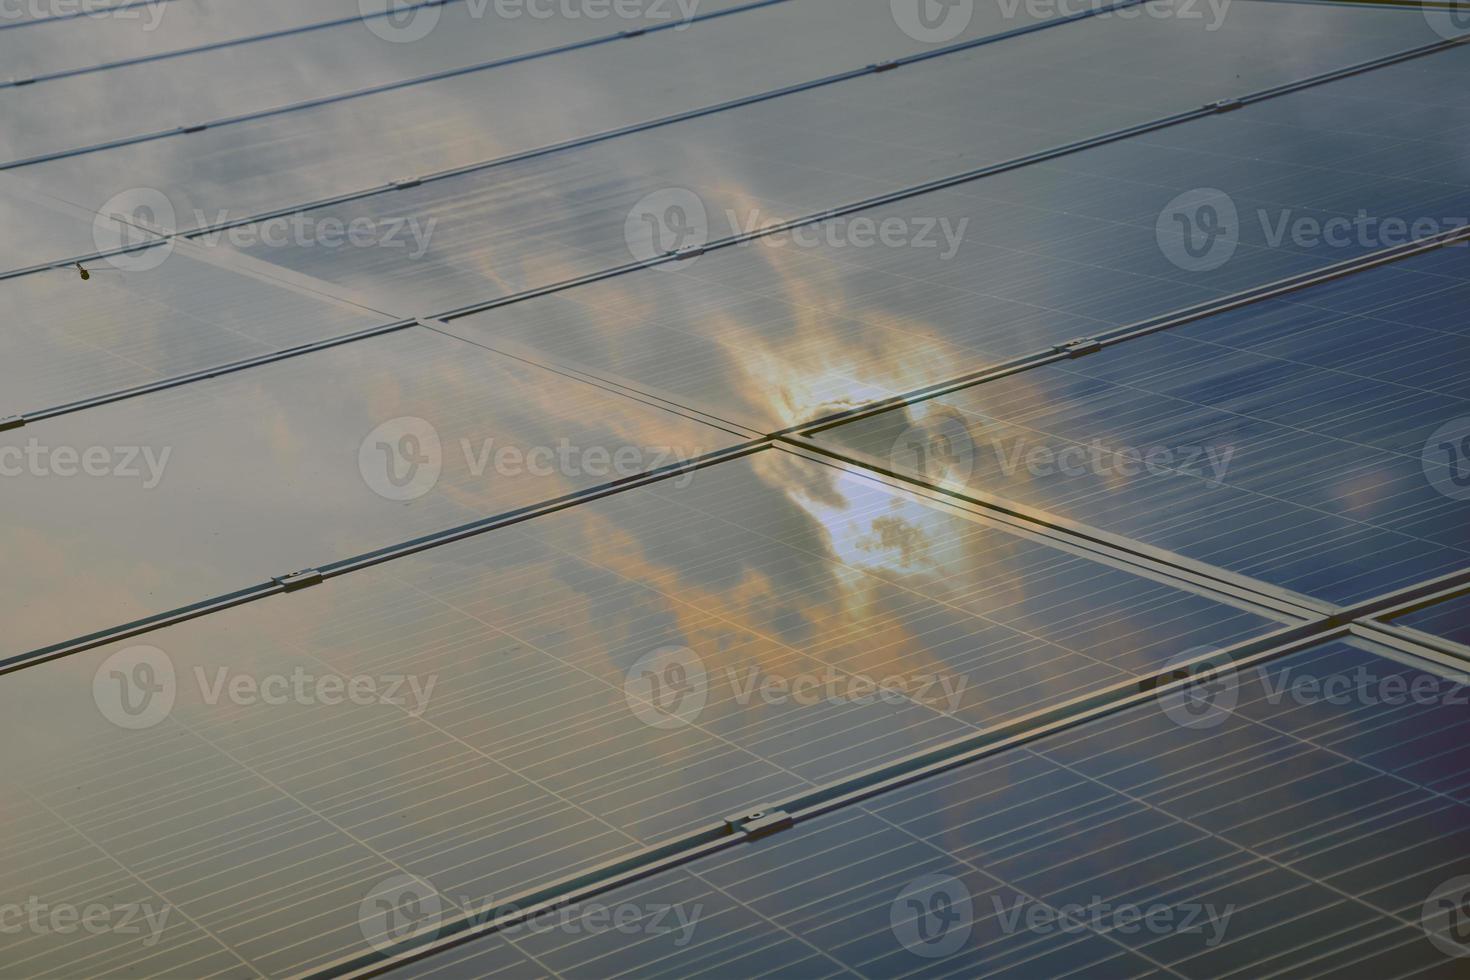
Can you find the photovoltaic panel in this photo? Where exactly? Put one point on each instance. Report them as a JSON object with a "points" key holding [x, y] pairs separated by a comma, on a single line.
{"points": [[222, 484], [158, 96], [1291, 440], [1449, 619], [544, 220], [132, 323], [526, 740], [777, 334], [153, 28], [306, 155], [1294, 835]]}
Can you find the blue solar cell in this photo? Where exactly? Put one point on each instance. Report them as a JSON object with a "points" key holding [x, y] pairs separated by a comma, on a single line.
{"points": [[1307, 829], [1293, 441], [1449, 619]]}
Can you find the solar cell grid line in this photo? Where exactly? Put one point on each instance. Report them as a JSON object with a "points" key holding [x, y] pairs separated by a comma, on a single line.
{"points": [[1281, 838], [1334, 407], [841, 794], [640, 126], [497, 665], [190, 127], [37, 413], [356, 18], [1057, 354]]}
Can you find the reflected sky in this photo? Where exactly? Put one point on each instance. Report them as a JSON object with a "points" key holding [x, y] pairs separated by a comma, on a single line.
{"points": [[1320, 863], [529, 750], [1295, 441], [214, 486]]}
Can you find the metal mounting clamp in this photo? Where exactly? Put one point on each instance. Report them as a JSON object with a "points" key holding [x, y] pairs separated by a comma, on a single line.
{"points": [[12, 422], [1078, 347], [758, 823], [1225, 105], [403, 183], [298, 580]]}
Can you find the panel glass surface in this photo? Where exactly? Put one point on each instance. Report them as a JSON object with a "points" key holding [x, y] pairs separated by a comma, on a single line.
{"points": [[129, 323], [1293, 441], [41, 228], [156, 502], [306, 155], [533, 735], [511, 228], [1297, 836], [1449, 619], [159, 96], [110, 33], [779, 334]]}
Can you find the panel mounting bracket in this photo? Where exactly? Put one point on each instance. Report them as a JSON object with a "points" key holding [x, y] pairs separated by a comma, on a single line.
{"points": [[1078, 347], [691, 252], [195, 128], [404, 183], [1225, 105], [298, 580], [879, 67], [758, 823], [12, 422]]}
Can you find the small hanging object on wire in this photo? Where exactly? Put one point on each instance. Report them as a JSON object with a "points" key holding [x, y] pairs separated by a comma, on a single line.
{"points": [[85, 274]]}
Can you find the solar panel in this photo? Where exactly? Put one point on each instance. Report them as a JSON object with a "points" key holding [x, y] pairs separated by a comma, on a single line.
{"points": [[647, 488], [157, 97], [1449, 619], [1296, 835], [1290, 440], [543, 220], [154, 29], [301, 156], [148, 316], [218, 485], [819, 622]]}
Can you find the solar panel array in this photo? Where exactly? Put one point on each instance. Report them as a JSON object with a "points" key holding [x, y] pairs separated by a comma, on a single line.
{"points": [[734, 488]]}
